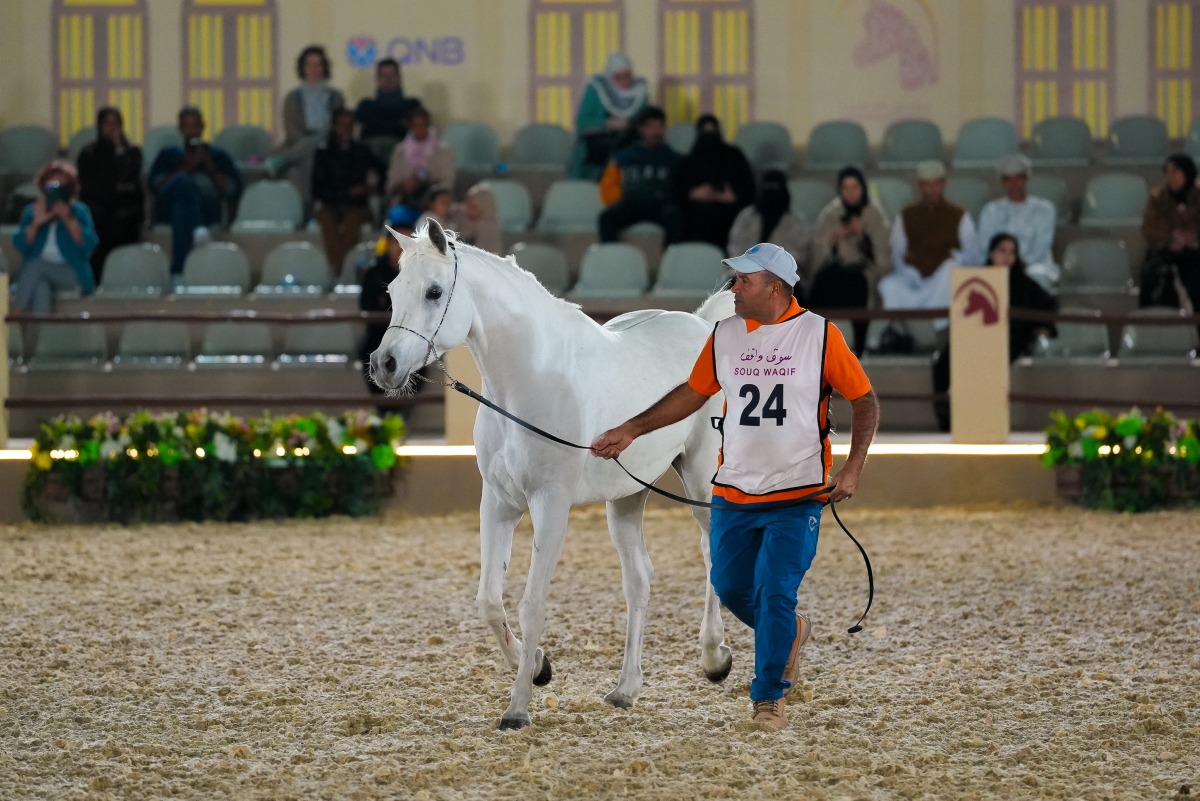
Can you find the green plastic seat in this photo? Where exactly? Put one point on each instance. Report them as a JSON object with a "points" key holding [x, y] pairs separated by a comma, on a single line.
{"points": [[893, 194], [906, 143], [159, 138], [1137, 140], [570, 206], [295, 268], [1061, 142], [547, 262], [1113, 199], [69, 346], [541, 146], [153, 344], [836, 144], [139, 270], [969, 191], [1074, 342], [476, 146], [1144, 342], [984, 142], [1054, 189], [766, 145], [1096, 264], [611, 270], [318, 344], [269, 207], [810, 196], [78, 141], [235, 344], [514, 207], [681, 136], [690, 269], [216, 268], [25, 149]]}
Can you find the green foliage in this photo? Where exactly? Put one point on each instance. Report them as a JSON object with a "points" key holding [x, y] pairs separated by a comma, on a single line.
{"points": [[205, 466], [1131, 462]]}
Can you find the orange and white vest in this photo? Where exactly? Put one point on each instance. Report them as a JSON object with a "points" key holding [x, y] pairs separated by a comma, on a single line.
{"points": [[773, 379]]}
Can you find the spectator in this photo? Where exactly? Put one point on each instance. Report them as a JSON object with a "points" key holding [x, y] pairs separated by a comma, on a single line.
{"points": [[850, 251], [419, 163], [637, 184], [189, 183], [770, 219], [307, 116], [1027, 217], [713, 183], [611, 102], [475, 221], [374, 296], [344, 170], [1004, 250], [385, 114], [55, 237], [1171, 229], [928, 238], [439, 207], [110, 183]]}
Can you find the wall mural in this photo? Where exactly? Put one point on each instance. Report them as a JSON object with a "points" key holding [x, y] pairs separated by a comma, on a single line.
{"points": [[889, 31]]}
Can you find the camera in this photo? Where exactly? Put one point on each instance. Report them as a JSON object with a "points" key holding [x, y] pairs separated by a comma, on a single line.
{"points": [[57, 191]]}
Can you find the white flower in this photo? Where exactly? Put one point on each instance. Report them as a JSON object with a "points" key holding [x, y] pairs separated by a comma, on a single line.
{"points": [[226, 447], [111, 448], [335, 430], [1075, 450]]}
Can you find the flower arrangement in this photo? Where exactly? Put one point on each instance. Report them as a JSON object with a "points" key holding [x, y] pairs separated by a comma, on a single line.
{"points": [[1130, 462], [201, 465]]}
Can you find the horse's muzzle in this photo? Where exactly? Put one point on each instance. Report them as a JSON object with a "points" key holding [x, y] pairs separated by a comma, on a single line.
{"points": [[384, 370]]}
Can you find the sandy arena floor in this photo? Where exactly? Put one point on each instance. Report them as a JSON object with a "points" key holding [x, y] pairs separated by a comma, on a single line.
{"points": [[1044, 653]]}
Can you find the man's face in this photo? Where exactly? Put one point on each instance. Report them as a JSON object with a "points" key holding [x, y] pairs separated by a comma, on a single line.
{"points": [[653, 132], [387, 78], [1016, 187], [343, 127], [191, 127], [752, 294], [932, 189]]}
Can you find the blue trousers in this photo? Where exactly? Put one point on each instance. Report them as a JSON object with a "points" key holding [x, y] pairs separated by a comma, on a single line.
{"points": [[758, 561], [186, 204]]}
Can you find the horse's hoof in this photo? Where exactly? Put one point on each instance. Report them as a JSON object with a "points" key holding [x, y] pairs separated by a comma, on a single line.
{"points": [[543, 677], [620, 700], [514, 722], [719, 675]]}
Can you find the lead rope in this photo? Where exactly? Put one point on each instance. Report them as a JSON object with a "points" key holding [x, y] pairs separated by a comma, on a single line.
{"points": [[462, 388]]}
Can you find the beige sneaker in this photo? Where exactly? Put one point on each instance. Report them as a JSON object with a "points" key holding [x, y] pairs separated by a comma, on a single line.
{"points": [[770, 715], [792, 669]]}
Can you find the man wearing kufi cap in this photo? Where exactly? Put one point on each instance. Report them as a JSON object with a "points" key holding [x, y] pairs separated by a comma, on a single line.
{"points": [[1028, 218], [929, 238], [777, 364]]}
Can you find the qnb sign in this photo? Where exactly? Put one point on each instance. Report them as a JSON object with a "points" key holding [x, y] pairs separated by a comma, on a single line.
{"points": [[445, 51]]}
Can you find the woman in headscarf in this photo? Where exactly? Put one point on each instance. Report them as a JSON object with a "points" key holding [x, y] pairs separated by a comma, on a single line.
{"points": [[771, 219], [110, 183], [475, 221], [712, 184], [606, 119], [849, 251], [1171, 229]]}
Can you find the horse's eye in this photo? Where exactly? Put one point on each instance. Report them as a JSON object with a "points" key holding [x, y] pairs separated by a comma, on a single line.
{"points": [[433, 293]]}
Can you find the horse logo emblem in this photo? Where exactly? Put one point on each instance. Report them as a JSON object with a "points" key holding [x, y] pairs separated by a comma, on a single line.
{"points": [[981, 300]]}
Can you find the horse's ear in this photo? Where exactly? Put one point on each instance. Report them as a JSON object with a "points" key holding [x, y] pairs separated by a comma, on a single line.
{"points": [[406, 242], [436, 235]]}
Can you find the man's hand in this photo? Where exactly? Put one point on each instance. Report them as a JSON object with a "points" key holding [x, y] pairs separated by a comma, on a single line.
{"points": [[611, 443], [844, 483]]}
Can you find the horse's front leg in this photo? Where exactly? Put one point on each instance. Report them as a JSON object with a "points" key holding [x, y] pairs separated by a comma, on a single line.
{"points": [[625, 529], [716, 658], [549, 511], [497, 521]]}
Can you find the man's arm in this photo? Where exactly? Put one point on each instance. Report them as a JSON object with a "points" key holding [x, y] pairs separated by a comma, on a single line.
{"points": [[864, 413], [671, 408]]}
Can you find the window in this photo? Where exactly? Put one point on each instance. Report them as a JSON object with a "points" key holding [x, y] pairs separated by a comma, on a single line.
{"points": [[1173, 40], [1065, 62], [705, 60], [99, 59], [229, 54], [571, 41]]}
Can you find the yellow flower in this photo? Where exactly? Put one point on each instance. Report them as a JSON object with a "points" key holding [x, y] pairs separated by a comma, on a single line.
{"points": [[41, 460], [1100, 432]]}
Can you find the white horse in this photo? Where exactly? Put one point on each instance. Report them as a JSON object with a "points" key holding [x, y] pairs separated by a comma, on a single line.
{"points": [[545, 361]]}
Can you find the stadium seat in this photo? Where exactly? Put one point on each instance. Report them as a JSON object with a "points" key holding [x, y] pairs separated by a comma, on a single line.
{"points": [[318, 344], [16, 344], [24, 149], [893, 194], [293, 268], [514, 208], [1145, 342], [158, 139], [983, 142], [354, 267], [766, 145], [476, 146], [690, 269], [810, 196], [1113, 199], [969, 191], [1192, 141], [907, 142], [1074, 342], [68, 346], [541, 146], [216, 268], [547, 262], [1061, 142], [1054, 189], [139, 270], [611, 270], [681, 136], [1096, 264], [570, 206], [269, 207], [249, 146], [78, 141], [153, 344], [1136, 141], [235, 344], [836, 144]]}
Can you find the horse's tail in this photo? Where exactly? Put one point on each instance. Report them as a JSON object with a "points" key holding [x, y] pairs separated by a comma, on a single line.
{"points": [[718, 306]]}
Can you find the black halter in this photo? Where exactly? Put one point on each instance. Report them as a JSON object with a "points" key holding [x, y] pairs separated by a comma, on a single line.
{"points": [[432, 351]]}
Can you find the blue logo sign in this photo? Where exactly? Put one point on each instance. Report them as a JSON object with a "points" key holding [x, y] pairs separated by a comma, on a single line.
{"points": [[361, 51], [445, 51]]}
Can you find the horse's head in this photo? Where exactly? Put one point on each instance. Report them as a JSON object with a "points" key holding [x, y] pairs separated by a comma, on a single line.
{"points": [[431, 312]]}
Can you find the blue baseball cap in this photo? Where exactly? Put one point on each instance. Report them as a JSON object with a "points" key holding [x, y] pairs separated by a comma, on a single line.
{"points": [[765, 256], [401, 214]]}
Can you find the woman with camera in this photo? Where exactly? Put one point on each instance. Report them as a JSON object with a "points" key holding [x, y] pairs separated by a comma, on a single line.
{"points": [[850, 251], [55, 239]]}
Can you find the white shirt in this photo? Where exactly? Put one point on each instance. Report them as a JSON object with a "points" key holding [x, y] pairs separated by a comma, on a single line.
{"points": [[1031, 222], [50, 252]]}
